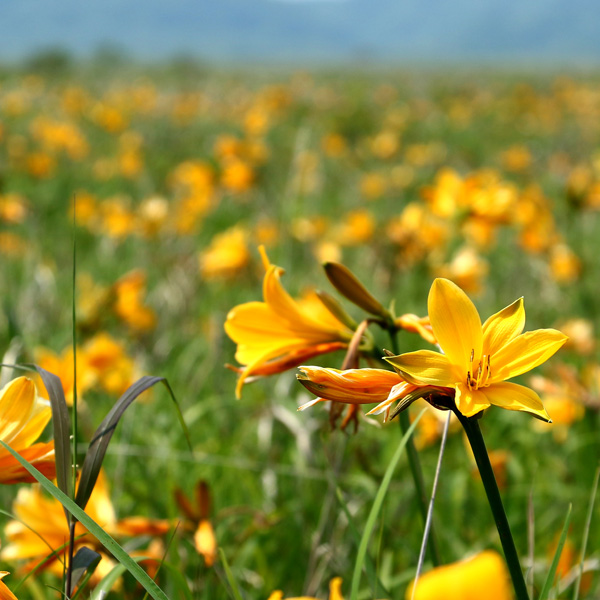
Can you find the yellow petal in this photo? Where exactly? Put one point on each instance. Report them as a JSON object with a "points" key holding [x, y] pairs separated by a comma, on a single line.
{"points": [[335, 589], [455, 322], [516, 397], [425, 367], [470, 402], [205, 542], [39, 418], [482, 577], [16, 402], [525, 352], [503, 327]]}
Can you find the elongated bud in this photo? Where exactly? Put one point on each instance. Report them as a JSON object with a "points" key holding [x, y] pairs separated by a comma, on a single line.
{"points": [[336, 309], [347, 284]]}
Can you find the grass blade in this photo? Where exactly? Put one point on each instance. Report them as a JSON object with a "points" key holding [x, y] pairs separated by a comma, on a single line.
{"points": [[554, 565], [586, 532], [104, 538], [379, 497], [376, 584], [99, 444], [235, 590], [61, 424]]}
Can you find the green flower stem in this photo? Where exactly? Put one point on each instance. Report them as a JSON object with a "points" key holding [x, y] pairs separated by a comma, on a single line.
{"points": [[471, 427], [417, 474]]}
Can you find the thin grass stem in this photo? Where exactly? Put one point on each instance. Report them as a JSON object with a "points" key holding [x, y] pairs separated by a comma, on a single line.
{"points": [[416, 472], [429, 520]]}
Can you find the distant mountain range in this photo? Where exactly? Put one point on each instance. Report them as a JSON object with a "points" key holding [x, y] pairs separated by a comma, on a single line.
{"points": [[276, 31]]}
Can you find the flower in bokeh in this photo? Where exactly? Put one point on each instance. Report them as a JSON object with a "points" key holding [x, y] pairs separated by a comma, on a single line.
{"points": [[482, 576], [129, 305], [335, 592], [478, 359], [41, 527], [199, 515], [23, 417], [226, 255], [281, 333], [61, 365]]}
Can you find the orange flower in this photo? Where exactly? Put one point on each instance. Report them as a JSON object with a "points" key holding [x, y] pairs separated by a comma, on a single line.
{"points": [[204, 536], [281, 333], [42, 528], [23, 417]]}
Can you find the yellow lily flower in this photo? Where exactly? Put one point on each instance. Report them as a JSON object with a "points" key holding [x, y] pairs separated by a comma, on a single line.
{"points": [[281, 333], [23, 417], [483, 576], [477, 358]]}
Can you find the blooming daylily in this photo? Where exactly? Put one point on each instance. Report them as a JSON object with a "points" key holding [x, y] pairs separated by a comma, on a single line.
{"points": [[23, 417], [478, 359], [281, 333]]}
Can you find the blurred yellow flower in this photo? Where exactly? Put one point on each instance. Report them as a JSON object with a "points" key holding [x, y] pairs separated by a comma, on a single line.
{"points": [[281, 333], [23, 417], [42, 528], [129, 305], [335, 592], [483, 576], [226, 255], [62, 366], [478, 359]]}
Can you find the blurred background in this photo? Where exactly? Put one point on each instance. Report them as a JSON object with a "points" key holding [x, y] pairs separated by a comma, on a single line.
{"points": [[549, 33], [406, 139]]}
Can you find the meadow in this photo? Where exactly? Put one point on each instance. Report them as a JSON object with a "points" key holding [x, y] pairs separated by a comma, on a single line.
{"points": [[166, 181]]}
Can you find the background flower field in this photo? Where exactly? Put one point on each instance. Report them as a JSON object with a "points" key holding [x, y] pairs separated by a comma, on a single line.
{"points": [[170, 178]]}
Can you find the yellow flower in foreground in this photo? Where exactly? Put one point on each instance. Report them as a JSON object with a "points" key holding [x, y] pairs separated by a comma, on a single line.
{"points": [[281, 333], [482, 577], [5, 593], [23, 417], [478, 359]]}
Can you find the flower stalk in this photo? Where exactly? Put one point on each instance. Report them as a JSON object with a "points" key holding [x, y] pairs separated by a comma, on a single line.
{"points": [[416, 472], [473, 432]]}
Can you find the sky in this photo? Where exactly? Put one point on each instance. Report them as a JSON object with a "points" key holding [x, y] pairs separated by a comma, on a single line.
{"points": [[297, 31]]}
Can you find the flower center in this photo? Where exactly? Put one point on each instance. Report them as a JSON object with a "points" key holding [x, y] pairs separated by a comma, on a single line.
{"points": [[479, 372]]}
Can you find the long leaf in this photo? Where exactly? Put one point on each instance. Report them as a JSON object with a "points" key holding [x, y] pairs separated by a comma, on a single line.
{"points": [[372, 518], [370, 567], [110, 579], [586, 532], [559, 548], [97, 449], [61, 425], [104, 538], [235, 590]]}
